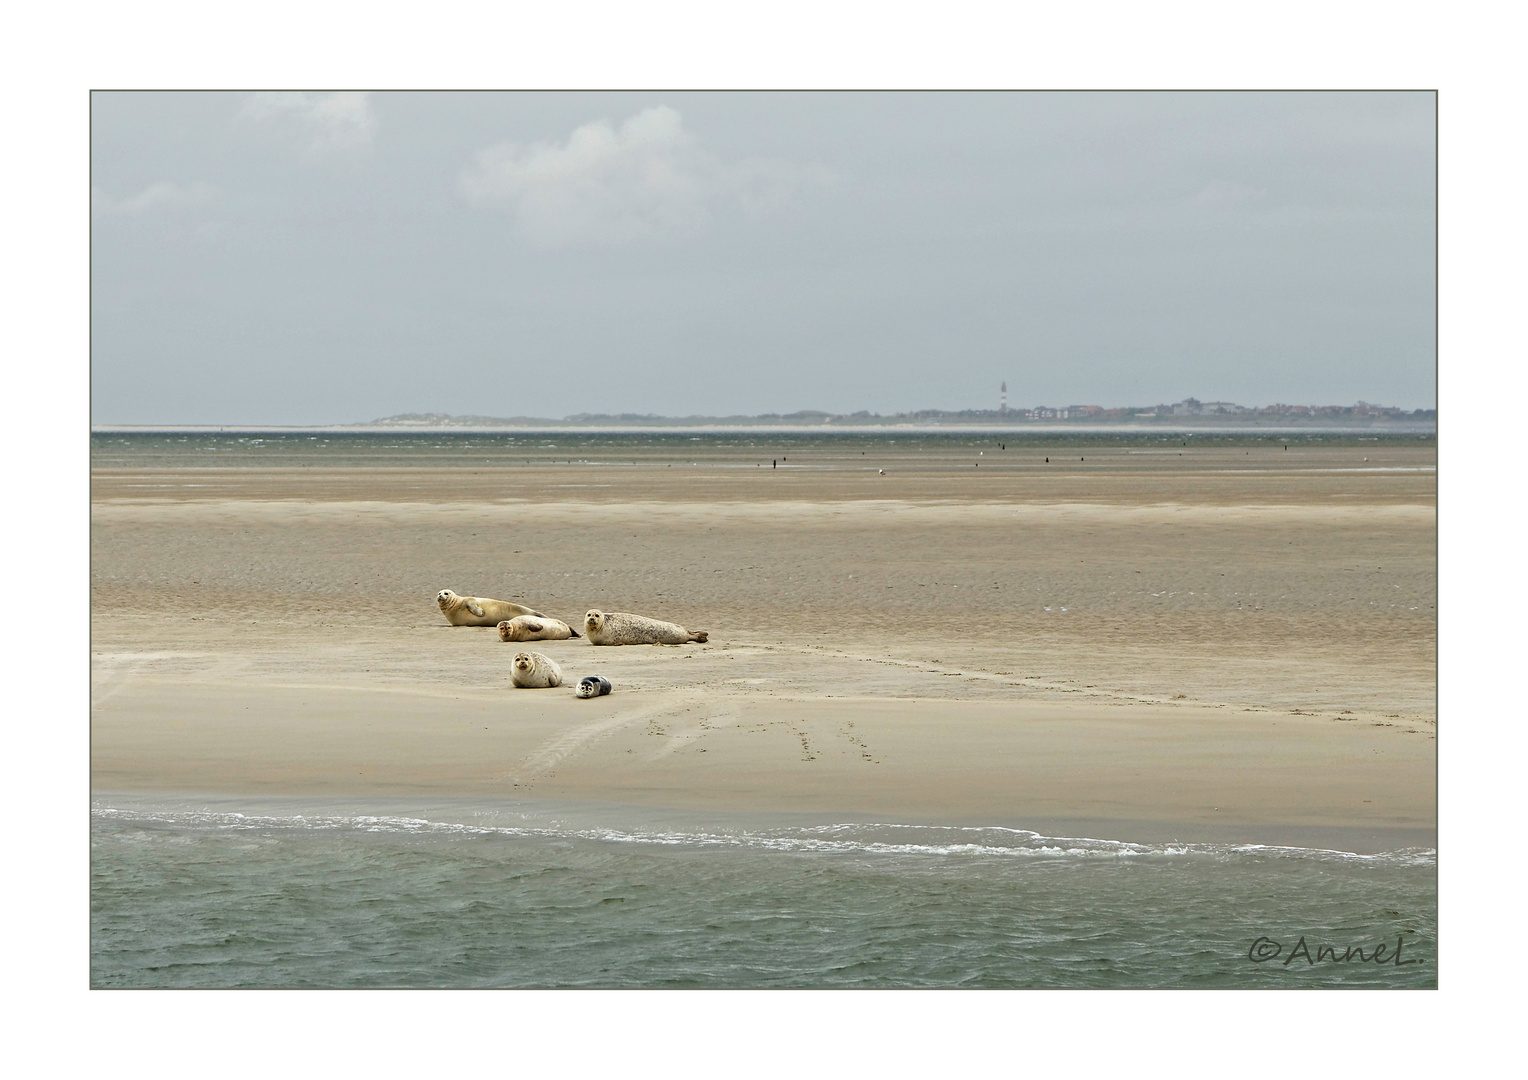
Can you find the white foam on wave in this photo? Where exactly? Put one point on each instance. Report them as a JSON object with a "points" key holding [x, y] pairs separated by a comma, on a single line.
{"points": [[849, 838]]}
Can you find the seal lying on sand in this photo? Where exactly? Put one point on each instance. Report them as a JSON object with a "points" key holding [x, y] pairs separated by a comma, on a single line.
{"points": [[479, 610], [534, 670], [620, 628], [592, 686], [530, 628]]}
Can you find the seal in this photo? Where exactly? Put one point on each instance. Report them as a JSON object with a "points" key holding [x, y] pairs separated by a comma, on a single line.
{"points": [[530, 628], [535, 671], [592, 686], [620, 628], [479, 610]]}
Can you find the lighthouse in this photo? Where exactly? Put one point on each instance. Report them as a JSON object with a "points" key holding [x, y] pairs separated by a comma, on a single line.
{"points": [[1003, 406]]}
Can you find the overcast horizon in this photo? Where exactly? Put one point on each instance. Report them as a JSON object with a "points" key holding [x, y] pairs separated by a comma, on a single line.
{"points": [[302, 259]]}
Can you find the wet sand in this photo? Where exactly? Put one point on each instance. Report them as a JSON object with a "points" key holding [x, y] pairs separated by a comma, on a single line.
{"points": [[1233, 643]]}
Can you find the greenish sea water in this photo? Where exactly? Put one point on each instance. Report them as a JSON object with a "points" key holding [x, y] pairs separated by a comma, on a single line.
{"points": [[292, 893]]}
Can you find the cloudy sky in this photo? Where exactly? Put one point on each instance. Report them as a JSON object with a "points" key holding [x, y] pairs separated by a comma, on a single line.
{"points": [[294, 258]]}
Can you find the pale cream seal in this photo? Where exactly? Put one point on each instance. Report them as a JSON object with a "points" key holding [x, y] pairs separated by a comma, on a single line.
{"points": [[621, 628], [479, 610], [534, 670], [530, 628]]}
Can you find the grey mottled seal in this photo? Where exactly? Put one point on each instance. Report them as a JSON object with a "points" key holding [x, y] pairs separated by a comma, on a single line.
{"points": [[622, 628]]}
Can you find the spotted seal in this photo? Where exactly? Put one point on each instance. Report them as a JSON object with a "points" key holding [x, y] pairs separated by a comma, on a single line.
{"points": [[479, 610], [621, 628], [530, 628], [592, 686], [534, 670]]}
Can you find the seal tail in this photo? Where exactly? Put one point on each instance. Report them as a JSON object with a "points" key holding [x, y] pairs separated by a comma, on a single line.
{"points": [[698, 636], [573, 633]]}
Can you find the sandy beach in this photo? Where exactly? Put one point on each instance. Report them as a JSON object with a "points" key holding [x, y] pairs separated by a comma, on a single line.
{"points": [[1203, 643]]}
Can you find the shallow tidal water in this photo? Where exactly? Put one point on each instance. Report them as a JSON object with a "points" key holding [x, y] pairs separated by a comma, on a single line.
{"points": [[291, 893]]}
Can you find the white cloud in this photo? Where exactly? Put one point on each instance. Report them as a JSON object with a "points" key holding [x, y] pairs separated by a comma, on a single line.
{"points": [[327, 121], [162, 194], [609, 185]]}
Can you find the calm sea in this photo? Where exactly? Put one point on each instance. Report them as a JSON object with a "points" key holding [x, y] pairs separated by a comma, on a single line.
{"points": [[288, 893]]}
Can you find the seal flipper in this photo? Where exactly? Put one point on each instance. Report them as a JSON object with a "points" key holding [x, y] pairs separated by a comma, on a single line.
{"points": [[699, 636], [476, 609]]}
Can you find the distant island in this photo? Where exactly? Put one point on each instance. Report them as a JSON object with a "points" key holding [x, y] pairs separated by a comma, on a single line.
{"points": [[1188, 412]]}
